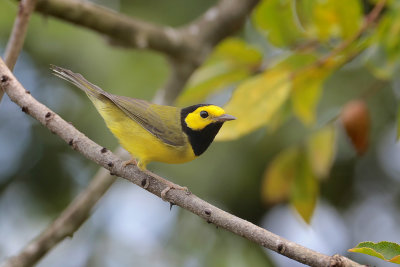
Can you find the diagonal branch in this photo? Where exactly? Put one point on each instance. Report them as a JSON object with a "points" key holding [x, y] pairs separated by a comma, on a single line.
{"points": [[192, 203], [203, 35], [18, 33], [79, 209], [181, 69], [76, 213]]}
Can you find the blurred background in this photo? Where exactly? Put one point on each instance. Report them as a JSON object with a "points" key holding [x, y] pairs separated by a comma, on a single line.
{"points": [[354, 197]]}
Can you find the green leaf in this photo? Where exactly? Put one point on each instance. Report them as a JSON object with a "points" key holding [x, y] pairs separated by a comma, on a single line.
{"points": [[384, 250], [279, 176], [321, 148], [330, 19], [255, 102], [232, 61], [305, 189], [278, 21]]}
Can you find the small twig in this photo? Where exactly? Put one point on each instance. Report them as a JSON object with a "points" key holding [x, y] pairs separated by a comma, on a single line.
{"points": [[18, 33], [96, 153], [367, 22]]}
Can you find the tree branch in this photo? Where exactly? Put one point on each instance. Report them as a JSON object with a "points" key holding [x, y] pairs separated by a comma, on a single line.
{"points": [[181, 69], [218, 22], [79, 209], [71, 219], [214, 25], [203, 35], [123, 29], [187, 42], [18, 33], [109, 161]]}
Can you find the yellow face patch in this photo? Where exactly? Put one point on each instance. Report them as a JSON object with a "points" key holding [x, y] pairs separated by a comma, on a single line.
{"points": [[203, 116]]}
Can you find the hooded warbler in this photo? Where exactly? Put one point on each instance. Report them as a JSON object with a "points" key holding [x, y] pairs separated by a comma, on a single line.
{"points": [[151, 132]]}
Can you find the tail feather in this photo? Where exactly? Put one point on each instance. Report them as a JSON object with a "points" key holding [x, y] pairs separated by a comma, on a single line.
{"points": [[79, 81]]}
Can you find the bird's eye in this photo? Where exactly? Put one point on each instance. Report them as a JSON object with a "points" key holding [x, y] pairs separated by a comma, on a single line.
{"points": [[204, 114]]}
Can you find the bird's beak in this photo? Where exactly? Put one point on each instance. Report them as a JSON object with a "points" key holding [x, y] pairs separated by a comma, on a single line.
{"points": [[225, 117]]}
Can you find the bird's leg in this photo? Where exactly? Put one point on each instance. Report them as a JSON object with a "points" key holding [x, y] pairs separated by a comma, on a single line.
{"points": [[132, 161]]}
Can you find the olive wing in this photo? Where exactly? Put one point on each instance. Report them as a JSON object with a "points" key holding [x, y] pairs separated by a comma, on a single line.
{"points": [[161, 121]]}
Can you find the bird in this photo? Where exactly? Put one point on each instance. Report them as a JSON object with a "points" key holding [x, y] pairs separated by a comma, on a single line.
{"points": [[151, 132]]}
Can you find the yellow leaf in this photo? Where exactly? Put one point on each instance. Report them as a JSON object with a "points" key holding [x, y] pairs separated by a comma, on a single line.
{"points": [[255, 101], [307, 89], [326, 20], [304, 190], [350, 17], [289, 176], [232, 61], [238, 52], [282, 115], [332, 18], [279, 176], [321, 151], [210, 79], [395, 260]]}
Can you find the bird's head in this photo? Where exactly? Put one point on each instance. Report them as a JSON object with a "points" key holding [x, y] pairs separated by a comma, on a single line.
{"points": [[201, 124], [198, 117]]}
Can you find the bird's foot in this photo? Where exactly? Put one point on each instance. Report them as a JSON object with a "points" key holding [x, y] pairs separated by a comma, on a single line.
{"points": [[132, 161], [173, 186], [170, 186]]}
